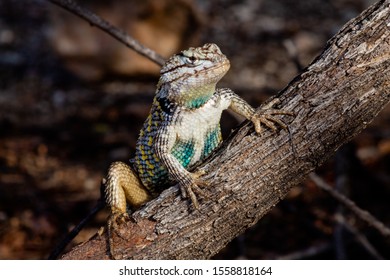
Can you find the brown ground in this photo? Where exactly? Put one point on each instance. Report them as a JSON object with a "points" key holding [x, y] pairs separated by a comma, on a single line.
{"points": [[59, 130]]}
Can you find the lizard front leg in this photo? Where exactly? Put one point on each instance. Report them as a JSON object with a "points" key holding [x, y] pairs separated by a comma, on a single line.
{"points": [[264, 115], [189, 182]]}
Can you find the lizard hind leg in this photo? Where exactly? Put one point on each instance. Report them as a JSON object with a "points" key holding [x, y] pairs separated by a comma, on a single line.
{"points": [[121, 187]]}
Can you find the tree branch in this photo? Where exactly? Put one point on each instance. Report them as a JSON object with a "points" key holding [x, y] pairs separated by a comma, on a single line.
{"points": [[113, 31], [334, 99]]}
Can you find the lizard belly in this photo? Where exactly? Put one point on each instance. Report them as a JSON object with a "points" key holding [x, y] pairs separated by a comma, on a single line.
{"points": [[198, 133]]}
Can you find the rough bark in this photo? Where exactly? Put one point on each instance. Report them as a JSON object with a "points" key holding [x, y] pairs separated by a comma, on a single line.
{"points": [[333, 99]]}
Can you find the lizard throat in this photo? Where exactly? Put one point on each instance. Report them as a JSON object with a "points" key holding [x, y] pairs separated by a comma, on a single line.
{"points": [[197, 102], [195, 97]]}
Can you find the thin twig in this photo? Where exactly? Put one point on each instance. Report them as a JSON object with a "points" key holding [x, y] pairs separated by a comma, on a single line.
{"points": [[60, 247], [115, 32], [76, 230], [359, 236], [306, 253], [342, 185], [362, 214]]}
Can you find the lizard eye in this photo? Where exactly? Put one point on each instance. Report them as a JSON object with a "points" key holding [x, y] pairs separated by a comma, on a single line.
{"points": [[192, 60]]}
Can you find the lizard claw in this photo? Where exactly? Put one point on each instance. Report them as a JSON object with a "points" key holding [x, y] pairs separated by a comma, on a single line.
{"points": [[191, 188], [266, 115], [116, 218], [196, 177]]}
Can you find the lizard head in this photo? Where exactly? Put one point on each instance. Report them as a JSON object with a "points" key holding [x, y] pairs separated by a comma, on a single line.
{"points": [[190, 77]]}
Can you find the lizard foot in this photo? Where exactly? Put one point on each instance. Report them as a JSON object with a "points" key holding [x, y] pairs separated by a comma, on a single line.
{"points": [[266, 115], [115, 219], [191, 187]]}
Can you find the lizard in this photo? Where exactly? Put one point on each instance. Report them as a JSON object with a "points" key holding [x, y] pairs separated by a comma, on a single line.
{"points": [[181, 130]]}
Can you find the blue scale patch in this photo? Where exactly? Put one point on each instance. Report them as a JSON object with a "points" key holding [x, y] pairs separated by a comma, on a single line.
{"points": [[183, 151], [197, 102], [213, 138]]}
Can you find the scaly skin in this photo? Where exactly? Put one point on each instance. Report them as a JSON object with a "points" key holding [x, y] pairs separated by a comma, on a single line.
{"points": [[181, 130]]}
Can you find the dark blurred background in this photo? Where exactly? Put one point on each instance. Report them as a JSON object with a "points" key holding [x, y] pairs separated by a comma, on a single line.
{"points": [[72, 100]]}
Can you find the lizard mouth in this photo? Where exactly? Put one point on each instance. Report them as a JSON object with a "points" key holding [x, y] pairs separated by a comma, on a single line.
{"points": [[220, 66], [219, 69]]}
